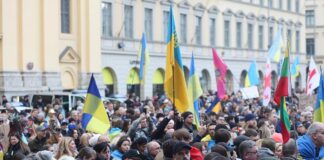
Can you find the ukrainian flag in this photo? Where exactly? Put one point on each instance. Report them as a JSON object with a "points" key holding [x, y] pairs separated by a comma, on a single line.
{"points": [[215, 106], [194, 91], [94, 117], [252, 77], [295, 67], [319, 106], [175, 84], [144, 59], [275, 49]]}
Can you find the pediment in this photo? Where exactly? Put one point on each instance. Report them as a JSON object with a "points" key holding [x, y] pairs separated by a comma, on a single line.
{"points": [[239, 14], [199, 7], [262, 18], [281, 21], [250, 16], [69, 55], [213, 10], [184, 4], [228, 12]]}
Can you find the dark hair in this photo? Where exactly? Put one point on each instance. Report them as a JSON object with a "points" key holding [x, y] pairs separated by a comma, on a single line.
{"points": [[86, 152], [269, 143], [251, 133], [244, 146], [219, 149], [289, 148], [125, 125], [222, 135], [121, 140], [168, 148], [215, 156], [198, 145]]}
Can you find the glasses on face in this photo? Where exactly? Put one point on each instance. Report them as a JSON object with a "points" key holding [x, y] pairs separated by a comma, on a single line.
{"points": [[254, 153]]}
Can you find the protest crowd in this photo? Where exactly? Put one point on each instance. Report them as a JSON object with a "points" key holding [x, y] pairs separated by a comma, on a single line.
{"points": [[153, 130]]}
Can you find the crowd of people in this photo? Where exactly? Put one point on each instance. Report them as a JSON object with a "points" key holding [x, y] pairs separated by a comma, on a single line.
{"points": [[154, 130]]}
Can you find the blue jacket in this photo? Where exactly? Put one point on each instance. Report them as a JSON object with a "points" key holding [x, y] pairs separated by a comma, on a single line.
{"points": [[117, 155], [307, 150]]}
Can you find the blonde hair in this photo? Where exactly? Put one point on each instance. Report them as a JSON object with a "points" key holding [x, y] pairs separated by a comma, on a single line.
{"points": [[64, 149], [84, 139]]}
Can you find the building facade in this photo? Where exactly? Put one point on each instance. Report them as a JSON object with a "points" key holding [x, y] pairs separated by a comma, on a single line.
{"points": [[314, 9], [48, 46], [240, 30]]}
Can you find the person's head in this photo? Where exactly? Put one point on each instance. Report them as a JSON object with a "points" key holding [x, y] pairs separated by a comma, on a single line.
{"points": [[215, 156], [300, 128], [250, 120], [170, 124], [167, 147], [187, 117], [181, 151], [143, 123], [87, 153], [123, 144], [252, 133], [248, 150], [41, 132], [84, 139], [211, 129], [269, 143], [278, 151], [219, 149], [316, 132], [14, 139], [222, 135], [103, 138], [102, 150], [182, 135], [66, 147], [153, 148], [139, 144], [289, 148], [133, 154], [238, 140]]}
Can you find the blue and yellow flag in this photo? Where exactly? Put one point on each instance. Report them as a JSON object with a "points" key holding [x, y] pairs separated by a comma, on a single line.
{"points": [[319, 106], [295, 68], [194, 92], [275, 49], [252, 77], [175, 84], [215, 106], [144, 59], [94, 117]]}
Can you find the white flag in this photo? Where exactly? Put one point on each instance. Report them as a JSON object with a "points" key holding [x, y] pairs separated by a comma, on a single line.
{"points": [[313, 77], [267, 84]]}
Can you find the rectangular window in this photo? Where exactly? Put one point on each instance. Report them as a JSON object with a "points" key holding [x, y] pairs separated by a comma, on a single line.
{"points": [[183, 28], [198, 30], [227, 33], [270, 3], [212, 31], [250, 36], [239, 34], [128, 21], [297, 5], [280, 4], [165, 25], [148, 22], [289, 34], [261, 2], [289, 5], [270, 36], [297, 42], [106, 19], [260, 37], [310, 18], [65, 16], [310, 46]]}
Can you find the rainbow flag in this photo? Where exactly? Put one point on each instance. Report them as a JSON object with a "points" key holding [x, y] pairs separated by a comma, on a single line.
{"points": [[284, 121], [215, 106], [194, 92], [295, 68], [275, 49], [144, 59], [252, 77], [94, 117], [283, 87], [175, 84], [319, 106]]}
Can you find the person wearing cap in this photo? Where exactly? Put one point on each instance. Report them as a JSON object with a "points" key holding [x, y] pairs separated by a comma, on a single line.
{"points": [[37, 144], [250, 121], [192, 128], [311, 145], [181, 150], [300, 128], [133, 154]]}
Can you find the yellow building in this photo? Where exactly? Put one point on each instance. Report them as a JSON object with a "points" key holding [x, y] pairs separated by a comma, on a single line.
{"points": [[48, 45]]}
